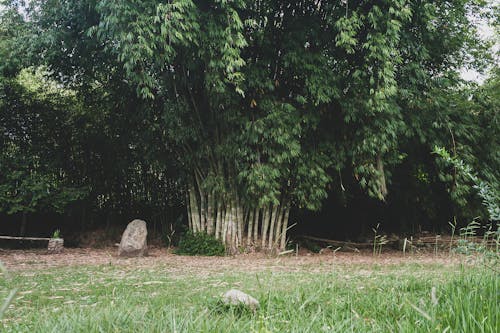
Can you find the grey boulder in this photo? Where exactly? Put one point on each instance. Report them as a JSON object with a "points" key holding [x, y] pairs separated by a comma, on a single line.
{"points": [[237, 297], [133, 243]]}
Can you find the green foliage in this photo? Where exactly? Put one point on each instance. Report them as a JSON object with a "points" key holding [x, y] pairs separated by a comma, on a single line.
{"points": [[31, 174], [489, 248], [489, 193], [200, 244], [13, 29], [72, 137], [264, 102], [56, 234]]}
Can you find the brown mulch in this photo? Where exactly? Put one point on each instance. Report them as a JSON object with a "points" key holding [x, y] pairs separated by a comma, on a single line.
{"points": [[22, 260]]}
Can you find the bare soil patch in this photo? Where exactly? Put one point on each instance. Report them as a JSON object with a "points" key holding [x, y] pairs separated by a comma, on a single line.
{"points": [[23, 260]]}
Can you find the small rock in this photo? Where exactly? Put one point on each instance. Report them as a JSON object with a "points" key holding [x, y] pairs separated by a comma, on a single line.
{"points": [[237, 297], [133, 243]]}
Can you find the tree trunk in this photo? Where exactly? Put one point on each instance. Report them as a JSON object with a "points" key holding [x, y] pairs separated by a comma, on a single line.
{"points": [[210, 213], [218, 221], [250, 227], [224, 224], [382, 182], [203, 211], [272, 225], [195, 216], [265, 226], [257, 215], [279, 226], [227, 218], [239, 223], [234, 231], [284, 228], [188, 206]]}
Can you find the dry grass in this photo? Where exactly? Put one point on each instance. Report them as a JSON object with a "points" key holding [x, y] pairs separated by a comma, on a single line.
{"points": [[20, 260]]}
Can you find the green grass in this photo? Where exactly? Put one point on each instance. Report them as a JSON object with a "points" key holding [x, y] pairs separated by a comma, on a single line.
{"points": [[342, 298]]}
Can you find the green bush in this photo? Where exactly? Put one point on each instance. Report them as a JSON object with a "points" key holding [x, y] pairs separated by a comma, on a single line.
{"points": [[200, 244]]}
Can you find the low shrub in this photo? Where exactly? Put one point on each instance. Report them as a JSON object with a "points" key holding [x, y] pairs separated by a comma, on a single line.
{"points": [[200, 243]]}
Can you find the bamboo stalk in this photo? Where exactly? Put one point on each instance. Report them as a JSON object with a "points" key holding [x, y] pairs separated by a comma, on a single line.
{"points": [[272, 224], [194, 211], [188, 207], [284, 228], [201, 206], [224, 224], [257, 214], [218, 221], [279, 230], [203, 211], [234, 226], [239, 222], [265, 225], [250, 227], [210, 214]]}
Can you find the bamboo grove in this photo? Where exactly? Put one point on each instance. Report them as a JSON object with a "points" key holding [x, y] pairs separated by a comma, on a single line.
{"points": [[264, 106]]}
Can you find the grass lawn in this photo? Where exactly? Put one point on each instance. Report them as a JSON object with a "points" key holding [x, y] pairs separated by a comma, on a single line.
{"points": [[296, 295]]}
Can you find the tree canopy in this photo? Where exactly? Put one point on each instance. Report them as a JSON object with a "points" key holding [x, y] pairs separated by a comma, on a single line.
{"points": [[243, 109]]}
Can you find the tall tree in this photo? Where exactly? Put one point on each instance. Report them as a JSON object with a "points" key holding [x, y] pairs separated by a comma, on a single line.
{"points": [[265, 103]]}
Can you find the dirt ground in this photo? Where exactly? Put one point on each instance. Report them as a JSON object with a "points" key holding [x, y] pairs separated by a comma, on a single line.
{"points": [[32, 260]]}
